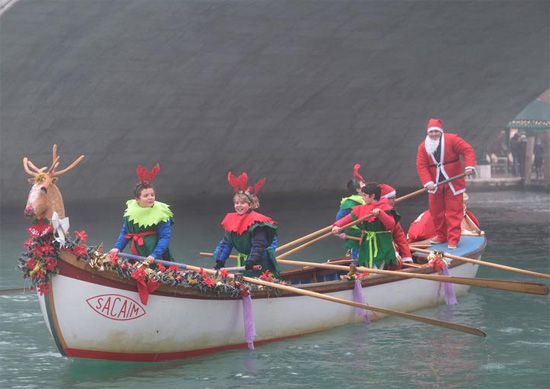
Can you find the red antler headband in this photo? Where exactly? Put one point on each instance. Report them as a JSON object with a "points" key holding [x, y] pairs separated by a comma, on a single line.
{"points": [[239, 184], [146, 176], [356, 173]]}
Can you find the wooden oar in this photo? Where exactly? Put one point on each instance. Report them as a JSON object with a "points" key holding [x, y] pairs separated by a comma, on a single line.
{"points": [[485, 263], [328, 228], [435, 322], [303, 246], [16, 290], [511, 286], [422, 319], [304, 238]]}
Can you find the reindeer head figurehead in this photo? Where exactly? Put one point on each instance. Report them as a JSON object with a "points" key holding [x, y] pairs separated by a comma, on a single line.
{"points": [[44, 197]]}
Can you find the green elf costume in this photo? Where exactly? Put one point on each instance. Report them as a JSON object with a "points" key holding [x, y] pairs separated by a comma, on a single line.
{"points": [[346, 204], [252, 234], [149, 229], [376, 246]]}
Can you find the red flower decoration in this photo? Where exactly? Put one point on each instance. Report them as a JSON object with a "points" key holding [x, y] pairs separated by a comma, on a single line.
{"points": [[31, 263], [81, 235], [224, 273], [114, 259], [202, 272], [80, 250], [161, 267], [51, 264], [244, 290], [29, 242], [179, 278], [43, 289], [47, 248], [37, 251], [173, 268], [266, 275], [208, 281]]}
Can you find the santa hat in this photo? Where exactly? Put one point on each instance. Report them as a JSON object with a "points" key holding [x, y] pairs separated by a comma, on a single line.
{"points": [[387, 191], [435, 125]]}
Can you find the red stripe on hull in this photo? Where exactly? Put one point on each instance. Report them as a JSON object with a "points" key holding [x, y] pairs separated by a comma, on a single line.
{"points": [[160, 357]]}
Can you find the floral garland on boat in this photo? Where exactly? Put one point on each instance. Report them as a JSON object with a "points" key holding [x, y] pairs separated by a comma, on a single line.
{"points": [[39, 263]]}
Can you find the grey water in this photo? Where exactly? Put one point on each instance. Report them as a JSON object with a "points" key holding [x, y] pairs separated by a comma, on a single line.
{"points": [[389, 353]]}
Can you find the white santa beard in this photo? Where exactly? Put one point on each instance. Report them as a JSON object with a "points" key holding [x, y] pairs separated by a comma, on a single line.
{"points": [[431, 145]]}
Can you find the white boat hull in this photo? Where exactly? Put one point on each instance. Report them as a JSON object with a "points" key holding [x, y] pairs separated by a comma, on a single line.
{"points": [[88, 319]]}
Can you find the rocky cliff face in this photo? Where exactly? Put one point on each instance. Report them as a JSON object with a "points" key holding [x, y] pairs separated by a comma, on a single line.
{"points": [[297, 92]]}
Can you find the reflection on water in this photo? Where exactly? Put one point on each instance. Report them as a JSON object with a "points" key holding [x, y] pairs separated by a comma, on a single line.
{"points": [[389, 353]]}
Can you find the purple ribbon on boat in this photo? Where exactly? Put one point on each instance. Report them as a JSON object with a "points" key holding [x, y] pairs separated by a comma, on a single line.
{"points": [[450, 296], [359, 298], [249, 327]]}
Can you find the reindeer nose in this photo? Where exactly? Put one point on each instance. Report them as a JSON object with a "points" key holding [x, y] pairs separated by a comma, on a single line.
{"points": [[29, 211]]}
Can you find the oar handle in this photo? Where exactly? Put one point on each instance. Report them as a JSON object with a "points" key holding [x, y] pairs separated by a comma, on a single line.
{"points": [[183, 265]]}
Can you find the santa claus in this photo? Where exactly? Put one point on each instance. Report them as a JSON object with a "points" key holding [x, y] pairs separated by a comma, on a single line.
{"points": [[438, 159]]}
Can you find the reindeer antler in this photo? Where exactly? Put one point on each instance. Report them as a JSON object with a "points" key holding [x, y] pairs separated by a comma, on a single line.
{"points": [[55, 163], [27, 163], [238, 183], [258, 185], [356, 173]]}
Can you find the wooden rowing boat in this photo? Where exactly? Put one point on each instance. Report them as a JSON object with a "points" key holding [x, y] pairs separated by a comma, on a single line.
{"points": [[95, 313]]}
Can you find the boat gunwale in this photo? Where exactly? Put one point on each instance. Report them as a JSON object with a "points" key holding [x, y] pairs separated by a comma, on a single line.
{"points": [[73, 268]]}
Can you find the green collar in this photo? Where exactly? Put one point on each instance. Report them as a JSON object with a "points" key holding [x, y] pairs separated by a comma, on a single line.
{"points": [[356, 198], [145, 217]]}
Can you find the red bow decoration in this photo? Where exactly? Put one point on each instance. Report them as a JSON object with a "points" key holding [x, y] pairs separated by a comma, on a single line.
{"points": [[40, 228], [146, 176], [144, 286]]}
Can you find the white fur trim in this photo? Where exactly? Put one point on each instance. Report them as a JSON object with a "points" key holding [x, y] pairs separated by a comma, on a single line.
{"points": [[433, 128], [390, 195]]}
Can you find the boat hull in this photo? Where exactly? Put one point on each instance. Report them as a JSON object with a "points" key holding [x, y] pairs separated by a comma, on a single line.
{"points": [[93, 316]]}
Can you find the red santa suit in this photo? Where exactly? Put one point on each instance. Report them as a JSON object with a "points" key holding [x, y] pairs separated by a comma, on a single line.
{"points": [[445, 201], [398, 234]]}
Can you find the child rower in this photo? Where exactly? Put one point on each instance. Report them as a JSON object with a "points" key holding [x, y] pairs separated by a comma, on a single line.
{"points": [[147, 222], [252, 234], [376, 247], [346, 204]]}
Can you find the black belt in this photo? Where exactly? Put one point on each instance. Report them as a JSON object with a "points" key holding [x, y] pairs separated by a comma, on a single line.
{"points": [[444, 163]]}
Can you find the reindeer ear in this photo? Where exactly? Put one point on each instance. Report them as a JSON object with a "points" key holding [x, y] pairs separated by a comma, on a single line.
{"points": [[31, 180], [100, 248], [54, 179]]}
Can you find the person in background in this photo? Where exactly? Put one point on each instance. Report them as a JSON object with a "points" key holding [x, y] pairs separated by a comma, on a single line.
{"points": [[522, 154], [252, 234], [346, 204], [514, 149], [539, 158], [147, 222], [438, 159]]}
